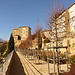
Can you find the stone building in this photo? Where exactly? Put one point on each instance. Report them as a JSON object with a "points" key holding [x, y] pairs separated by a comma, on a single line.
{"points": [[65, 29], [21, 34], [66, 23], [70, 39]]}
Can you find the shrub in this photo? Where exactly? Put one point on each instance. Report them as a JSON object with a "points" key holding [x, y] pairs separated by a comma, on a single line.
{"points": [[46, 40], [11, 44], [72, 60], [45, 58], [3, 48], [62, 61]]}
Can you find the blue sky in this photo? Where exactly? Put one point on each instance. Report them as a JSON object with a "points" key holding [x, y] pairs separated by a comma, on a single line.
{"points": [[16, 13]]}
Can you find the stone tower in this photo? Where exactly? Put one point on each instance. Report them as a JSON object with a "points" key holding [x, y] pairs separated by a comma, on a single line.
{"points": [[21, 34]]}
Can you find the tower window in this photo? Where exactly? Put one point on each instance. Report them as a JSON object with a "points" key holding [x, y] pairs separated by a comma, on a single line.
{"points": [[23, 31], [19, 38]]}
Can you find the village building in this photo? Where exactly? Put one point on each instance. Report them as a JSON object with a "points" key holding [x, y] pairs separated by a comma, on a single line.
{"points": [[21, 34], [65, 30]]}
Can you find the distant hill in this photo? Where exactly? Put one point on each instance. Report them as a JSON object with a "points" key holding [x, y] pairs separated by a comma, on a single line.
{"points": [[1, 40]]}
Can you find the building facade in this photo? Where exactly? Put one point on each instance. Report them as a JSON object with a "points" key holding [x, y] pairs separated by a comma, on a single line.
{"points": [[65, 29], [21, 34], [65, 23]]}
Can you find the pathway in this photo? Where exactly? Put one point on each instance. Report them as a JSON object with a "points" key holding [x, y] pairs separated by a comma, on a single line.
{"points": [[15, 66]]}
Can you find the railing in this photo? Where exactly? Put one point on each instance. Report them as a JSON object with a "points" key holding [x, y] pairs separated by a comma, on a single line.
{"points": [[29, 68], [5, 64], [31, 58], [34, 54]]}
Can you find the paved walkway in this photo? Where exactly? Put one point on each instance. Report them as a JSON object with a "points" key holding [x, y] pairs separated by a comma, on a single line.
{"points": [[15, 66]]}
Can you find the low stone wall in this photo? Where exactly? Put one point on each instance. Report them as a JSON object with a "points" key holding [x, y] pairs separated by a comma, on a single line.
{"points": [[5, 65]]}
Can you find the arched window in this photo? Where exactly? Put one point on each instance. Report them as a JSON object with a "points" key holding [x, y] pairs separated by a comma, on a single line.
{"points": [[19, 38]]}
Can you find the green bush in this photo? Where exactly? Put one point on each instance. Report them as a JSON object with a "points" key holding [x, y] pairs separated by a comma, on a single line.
{"points": [[45, 58], [3, 48], [62, 61], [72, 60], [11, 44], [46, 40]]}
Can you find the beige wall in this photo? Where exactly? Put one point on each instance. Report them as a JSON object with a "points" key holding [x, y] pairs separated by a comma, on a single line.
{"points": [[71, 44], [72, 18], [35, 43], [15, 32], [22, 32]]}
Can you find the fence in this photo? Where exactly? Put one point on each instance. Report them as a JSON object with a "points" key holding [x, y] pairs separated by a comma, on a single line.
{"points": [[37, 56], [33, 54]]}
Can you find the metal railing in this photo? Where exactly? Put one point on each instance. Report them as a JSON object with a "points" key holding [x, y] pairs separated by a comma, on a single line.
{"points": [[30, 69]]}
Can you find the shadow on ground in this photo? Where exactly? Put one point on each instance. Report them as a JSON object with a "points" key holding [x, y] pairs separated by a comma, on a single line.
{"points": [[15, 66]]}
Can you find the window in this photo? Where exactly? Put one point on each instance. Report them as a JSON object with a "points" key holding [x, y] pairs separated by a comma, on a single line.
{"points": [[23, 31], [23, 34], [26, 31], [26, 34], [19, 38], [24, 28], [23, 37]]}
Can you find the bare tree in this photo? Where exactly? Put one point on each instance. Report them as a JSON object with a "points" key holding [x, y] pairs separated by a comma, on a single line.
{"points": [[38, 30], [28, 43], [56, 23]]}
